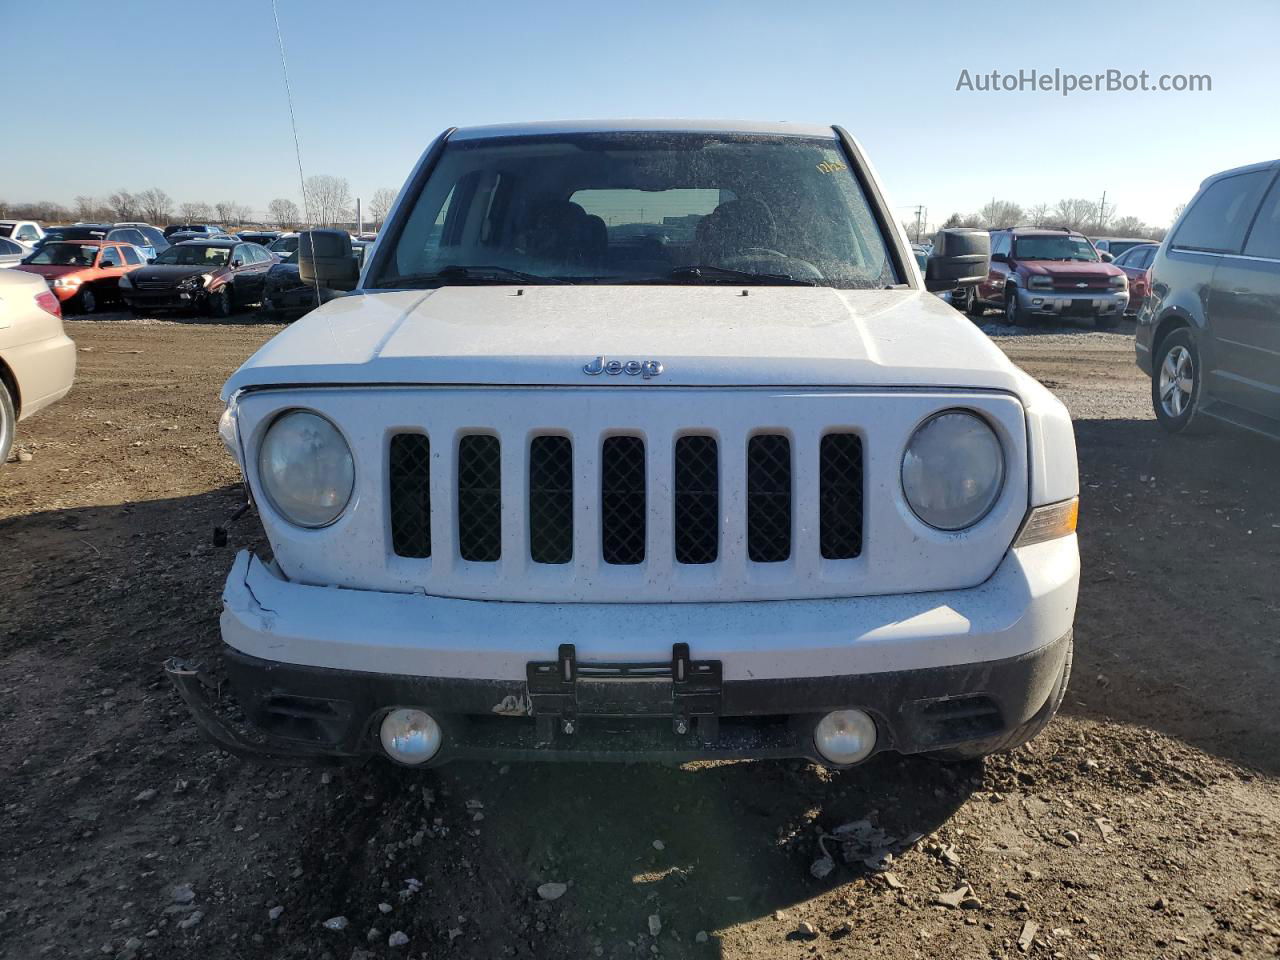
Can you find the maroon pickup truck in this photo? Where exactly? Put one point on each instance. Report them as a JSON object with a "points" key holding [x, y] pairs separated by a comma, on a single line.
{"points": [[1037, 272]]}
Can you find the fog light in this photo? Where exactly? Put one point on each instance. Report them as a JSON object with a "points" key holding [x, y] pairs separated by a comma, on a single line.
{"points": [[845, 736], [1037, 301], [410, 736]]}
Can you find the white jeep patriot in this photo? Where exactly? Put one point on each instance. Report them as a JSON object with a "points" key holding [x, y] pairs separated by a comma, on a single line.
{"points": [[644, 440]]}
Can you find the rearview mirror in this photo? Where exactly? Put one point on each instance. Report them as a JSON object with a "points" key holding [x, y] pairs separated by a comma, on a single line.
{"points": [[1106, 257], [325, 259], [961, 257]]}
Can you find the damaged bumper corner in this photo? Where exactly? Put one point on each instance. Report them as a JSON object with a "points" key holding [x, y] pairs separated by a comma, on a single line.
{"points": [[201, 695]]}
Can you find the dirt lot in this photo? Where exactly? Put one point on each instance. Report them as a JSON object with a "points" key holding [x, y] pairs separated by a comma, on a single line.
{"points": [[1144, 823]]}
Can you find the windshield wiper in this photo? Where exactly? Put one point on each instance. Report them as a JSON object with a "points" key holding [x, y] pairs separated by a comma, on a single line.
{"points": [[470, 274], [725, 274]]}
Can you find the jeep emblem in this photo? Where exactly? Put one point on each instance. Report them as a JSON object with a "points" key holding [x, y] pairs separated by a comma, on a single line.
{"points": [[632, 368]]}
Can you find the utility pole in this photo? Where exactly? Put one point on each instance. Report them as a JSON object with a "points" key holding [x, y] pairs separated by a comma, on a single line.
{"points": [[359, 218], [1102, 212], [919, 214]]}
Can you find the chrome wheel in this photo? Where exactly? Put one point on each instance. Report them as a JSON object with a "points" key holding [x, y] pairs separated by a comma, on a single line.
{"points": [[1177, 381], [1011, 316]]}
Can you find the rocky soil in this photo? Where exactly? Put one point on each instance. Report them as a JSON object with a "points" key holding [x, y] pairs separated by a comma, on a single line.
{"points": [[1144, 823]]}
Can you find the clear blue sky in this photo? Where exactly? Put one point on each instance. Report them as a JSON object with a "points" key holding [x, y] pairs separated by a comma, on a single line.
{"points": [[188, 96]]}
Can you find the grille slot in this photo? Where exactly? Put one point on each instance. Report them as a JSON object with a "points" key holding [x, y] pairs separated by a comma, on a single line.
{"points": [[769, 498], [480, 498], [840, 496], [622, 500], [697, 500], [551, 500], [410, 472]]}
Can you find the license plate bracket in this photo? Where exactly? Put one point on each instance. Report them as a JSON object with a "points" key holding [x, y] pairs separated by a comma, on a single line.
{"points": [[683, 689]]}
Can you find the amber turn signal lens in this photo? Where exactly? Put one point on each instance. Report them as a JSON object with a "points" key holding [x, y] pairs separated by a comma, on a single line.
{"points": [[1049, 522]]}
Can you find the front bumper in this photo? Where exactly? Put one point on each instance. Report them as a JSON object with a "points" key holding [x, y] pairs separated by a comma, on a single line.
{"points": [[315, 668], [173, 299], [1073, 303]]}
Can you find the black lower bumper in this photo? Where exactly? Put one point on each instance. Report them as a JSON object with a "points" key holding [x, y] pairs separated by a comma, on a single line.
{"points": [[299, 714]]}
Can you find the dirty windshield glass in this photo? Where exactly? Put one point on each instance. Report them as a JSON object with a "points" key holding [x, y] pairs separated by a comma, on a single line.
{"points": [[1054, 247], [194, 256], [641, 208], [64, 255]]}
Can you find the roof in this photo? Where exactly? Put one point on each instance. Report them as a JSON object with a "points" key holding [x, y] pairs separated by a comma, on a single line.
{"points": [[210, 242], [1033, 231], [1247, 168], [545, 127]]}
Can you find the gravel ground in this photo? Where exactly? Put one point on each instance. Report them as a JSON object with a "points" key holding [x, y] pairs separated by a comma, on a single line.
{"points": [[1144, 823]]}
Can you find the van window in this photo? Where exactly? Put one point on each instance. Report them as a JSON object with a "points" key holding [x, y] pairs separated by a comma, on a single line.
{"points": [[1220, 216], [1264, 238]]}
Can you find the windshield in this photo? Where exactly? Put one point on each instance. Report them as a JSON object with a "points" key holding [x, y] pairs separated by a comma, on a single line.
{"points": [[1052, 246], [75, 233], [284, 245], [194, 256], [642, 207], [64, 255]]}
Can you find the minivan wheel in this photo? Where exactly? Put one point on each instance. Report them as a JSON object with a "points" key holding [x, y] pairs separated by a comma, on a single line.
{"points": [[972, 305], [8, 421], [1176, 382]]}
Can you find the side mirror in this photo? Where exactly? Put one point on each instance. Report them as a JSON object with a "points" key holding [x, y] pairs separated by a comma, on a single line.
{"points": [[1106, 257], [237, 262], [151, 259], [961, 258], [325, 259], [999, 258]]}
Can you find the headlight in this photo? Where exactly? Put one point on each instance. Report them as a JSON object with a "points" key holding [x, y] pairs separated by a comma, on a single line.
{"points": [[198, 281], [1040, 282], [305, 468], [1120, 281], [953, 470], [67, 281]]}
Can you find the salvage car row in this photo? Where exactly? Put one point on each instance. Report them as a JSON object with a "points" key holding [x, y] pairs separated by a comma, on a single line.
{"points": [[188, 267]]}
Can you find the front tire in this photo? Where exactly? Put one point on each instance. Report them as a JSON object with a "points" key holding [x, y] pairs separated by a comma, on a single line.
{"points": [[8, 423], [86, 301], [1021, 734], [1176, 382], [221, 304], [1013, 314]]}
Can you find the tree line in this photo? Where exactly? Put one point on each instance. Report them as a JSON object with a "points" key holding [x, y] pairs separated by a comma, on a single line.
{"points": [[1074, 213], [327, 201]]}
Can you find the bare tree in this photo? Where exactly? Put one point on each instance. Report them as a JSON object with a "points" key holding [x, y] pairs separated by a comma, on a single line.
{"points": [[83, 207], [123, 205], [243, 213], [971, 220], [1075, 213], [1038, 216], [195, 212], [380, 204], [326, 198], [226, 211], [157, 206], [1000, 213], [1129, 227], [283, 213]]}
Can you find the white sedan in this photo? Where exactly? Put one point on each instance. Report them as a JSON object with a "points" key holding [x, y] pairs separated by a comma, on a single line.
{"points": [[37, 358]]}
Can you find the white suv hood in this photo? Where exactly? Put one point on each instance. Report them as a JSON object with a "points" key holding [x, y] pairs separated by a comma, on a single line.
{"points": [[704, 336]]}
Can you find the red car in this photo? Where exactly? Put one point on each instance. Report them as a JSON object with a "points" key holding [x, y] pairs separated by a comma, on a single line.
{"points": [[83, 273], [1036, 272], [1136, 264]]}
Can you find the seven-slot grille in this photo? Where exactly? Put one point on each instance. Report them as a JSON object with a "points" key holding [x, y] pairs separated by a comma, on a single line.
{"points": [[695, 493]]}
